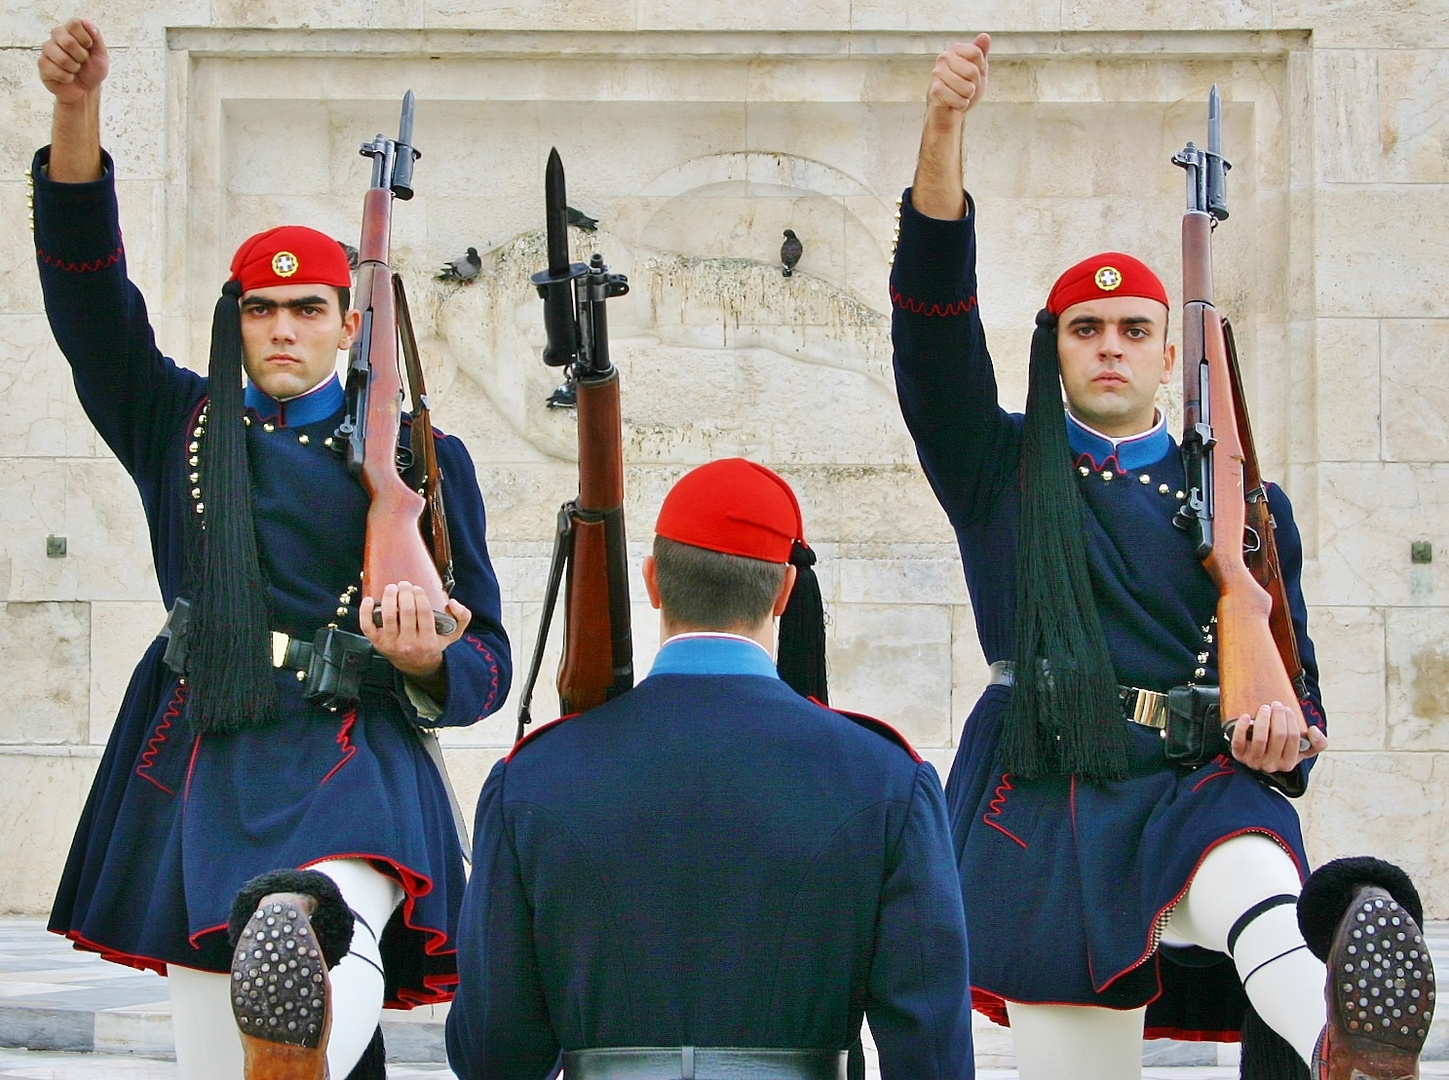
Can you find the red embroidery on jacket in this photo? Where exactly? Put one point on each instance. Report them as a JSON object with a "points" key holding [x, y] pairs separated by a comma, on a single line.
{"points": [[344, 740], [1225, 768], [492, 673], [916, 307], [997, 804], [153, 745], [81, 268]]}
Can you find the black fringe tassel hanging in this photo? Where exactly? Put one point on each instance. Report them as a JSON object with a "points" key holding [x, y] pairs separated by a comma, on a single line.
{"points": [[801, 659], [1064, 717], [229, 664]]}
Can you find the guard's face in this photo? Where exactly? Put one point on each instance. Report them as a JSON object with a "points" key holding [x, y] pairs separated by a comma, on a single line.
{"points": [[1114, 355], [291, 335]]}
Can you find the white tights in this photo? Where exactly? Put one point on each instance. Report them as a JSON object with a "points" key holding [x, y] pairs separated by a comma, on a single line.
{"points": [[1283, 980], [207, 1044]]}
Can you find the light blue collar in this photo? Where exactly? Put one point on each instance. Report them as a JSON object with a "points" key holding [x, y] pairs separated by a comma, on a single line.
{"points": [[713, 654], [318, 403], [1133, 452]]}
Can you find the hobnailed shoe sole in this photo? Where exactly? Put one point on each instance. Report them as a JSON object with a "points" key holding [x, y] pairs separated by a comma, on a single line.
{"points": [[279, 980], [1381, 991]]}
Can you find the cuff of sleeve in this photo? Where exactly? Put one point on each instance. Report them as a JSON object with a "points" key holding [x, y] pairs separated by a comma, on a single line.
{"points": [[426, 707], [935, 271], [77, 226]]}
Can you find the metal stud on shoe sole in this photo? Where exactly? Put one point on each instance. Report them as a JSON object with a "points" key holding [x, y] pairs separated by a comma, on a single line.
{"points": [[1386, 987], [278, 981]]}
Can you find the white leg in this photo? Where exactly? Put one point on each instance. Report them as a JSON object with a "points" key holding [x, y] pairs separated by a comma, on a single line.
{"points": [[207, 1044], [1076, 1042], [357, 981], [1282, 978]]}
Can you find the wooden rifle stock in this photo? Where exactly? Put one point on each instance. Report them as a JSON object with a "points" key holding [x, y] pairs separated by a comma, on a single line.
{"points": [[586, 675], [589, 549], [425, 475], [1251, 671], [1262, 556], [393, 550]]}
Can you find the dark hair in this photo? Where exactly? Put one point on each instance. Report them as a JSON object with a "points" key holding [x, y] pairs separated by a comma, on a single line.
{"points": [[712, 590], [344, 299]]}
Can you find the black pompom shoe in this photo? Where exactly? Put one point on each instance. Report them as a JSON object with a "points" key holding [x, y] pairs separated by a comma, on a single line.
{"points": [[1361, 917], [289, 927]]}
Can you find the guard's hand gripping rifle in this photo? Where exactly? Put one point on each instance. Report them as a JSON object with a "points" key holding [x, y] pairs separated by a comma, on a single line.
{"points": [[1226, 509], [401, 511], [598, 654]]}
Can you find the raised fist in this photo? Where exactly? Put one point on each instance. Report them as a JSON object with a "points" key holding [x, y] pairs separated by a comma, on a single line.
{"points": [[959, 78], [74, 62]]}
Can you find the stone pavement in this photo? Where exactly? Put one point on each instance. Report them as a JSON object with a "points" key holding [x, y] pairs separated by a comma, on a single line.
{"points": [[68, 1015]]}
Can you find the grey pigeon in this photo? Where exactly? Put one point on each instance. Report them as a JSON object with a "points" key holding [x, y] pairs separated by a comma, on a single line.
{"points": [[790, 252], [565, 396], [351, 254], [464, 268], [582, 221]]}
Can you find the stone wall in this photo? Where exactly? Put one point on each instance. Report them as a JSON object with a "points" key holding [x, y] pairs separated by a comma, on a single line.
{"points": [[696, 133]]}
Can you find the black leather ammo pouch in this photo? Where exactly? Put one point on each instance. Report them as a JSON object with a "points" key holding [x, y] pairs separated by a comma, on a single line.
{"points": [[1194, 734], [339, 661]]}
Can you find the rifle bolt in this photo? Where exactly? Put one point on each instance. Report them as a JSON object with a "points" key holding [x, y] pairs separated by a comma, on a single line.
{"points": [[269, 428], [1144, 479], [303, 439], [1421, 551], [1162, 489]]}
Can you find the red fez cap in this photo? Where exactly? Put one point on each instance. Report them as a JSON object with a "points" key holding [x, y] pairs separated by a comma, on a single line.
{"points": [[290, 255], [735, 507], [1109, 274]]}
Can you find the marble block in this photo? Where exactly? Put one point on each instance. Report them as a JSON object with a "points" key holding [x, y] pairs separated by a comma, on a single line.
{"points": [[41, 796], [1418, 676], [1415, 396], [1349, 643], [45, 653]]}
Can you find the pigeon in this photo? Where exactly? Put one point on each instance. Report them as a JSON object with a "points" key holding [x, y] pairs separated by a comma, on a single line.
{"points": [[790, 252], [464, 268], [351, 254], [582, 221], [565, 396]]}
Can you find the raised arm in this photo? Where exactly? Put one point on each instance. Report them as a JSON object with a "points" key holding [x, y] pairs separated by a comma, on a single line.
{"points": [[73, 64], [957, 82], [128, 389], [944, 377]]}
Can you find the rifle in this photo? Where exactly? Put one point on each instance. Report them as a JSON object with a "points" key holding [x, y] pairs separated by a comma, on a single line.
{"points": [[394, 549], [1226, 503], [598, 653]]}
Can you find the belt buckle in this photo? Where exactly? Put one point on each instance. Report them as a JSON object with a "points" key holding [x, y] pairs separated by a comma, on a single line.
{"points": [[1150, 709]]}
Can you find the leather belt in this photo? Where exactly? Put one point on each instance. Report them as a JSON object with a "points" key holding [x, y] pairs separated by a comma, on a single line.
{"points": [[702, 1063], [294, 654], [1145, 707]]}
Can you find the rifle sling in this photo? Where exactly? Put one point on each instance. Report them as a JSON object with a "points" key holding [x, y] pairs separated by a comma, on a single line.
{"points": [[563, 545]]}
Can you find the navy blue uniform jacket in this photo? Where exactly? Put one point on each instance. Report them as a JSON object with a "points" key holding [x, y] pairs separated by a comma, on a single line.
{"points": [[1068, 884], [175, 823], [711, 860]]}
